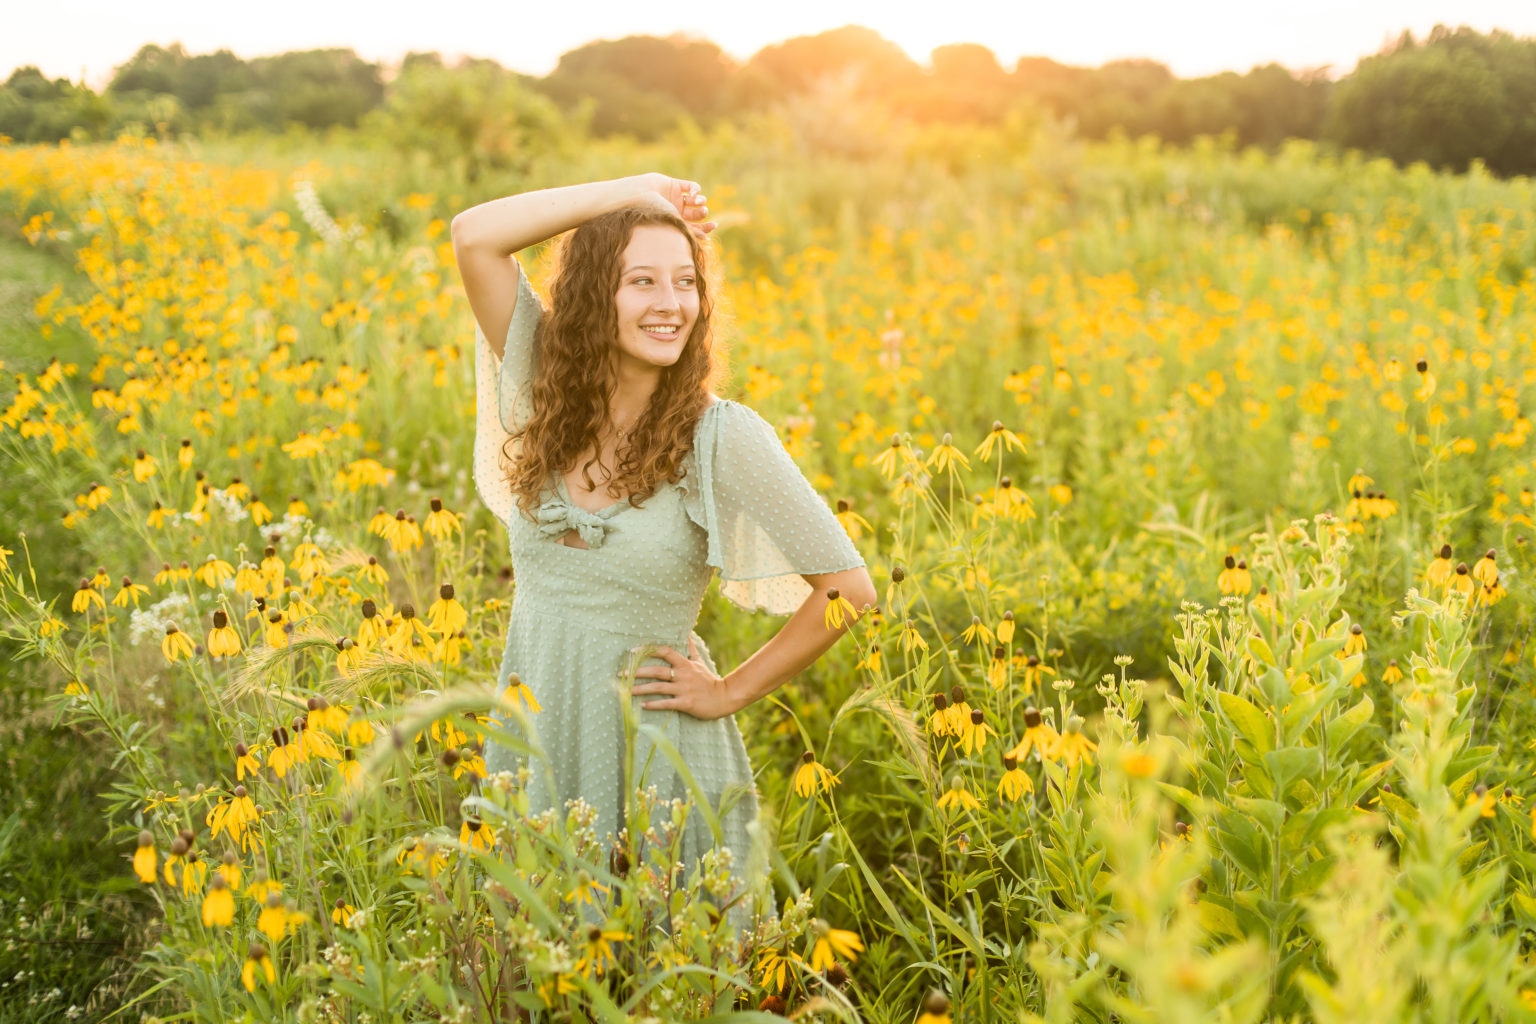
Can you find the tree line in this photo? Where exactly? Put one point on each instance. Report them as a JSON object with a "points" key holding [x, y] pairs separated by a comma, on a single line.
{"points": [[1454, 97]]}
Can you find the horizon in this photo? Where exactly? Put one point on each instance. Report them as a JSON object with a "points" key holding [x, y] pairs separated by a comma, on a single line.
{"points": [[1088, 35]]}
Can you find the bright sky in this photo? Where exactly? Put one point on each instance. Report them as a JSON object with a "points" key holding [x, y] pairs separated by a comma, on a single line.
{"points": [[88, 38]]}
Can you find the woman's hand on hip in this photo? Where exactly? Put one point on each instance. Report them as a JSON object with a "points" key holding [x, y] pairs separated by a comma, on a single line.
{"points": [[685, 199], [686, 684]]}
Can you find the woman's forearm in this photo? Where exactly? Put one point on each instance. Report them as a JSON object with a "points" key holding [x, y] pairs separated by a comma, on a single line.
{"points": [[513, 223], [803, 638]]}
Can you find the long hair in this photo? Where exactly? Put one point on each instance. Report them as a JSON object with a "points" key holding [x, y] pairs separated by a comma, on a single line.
{"points": [[576, 370]]}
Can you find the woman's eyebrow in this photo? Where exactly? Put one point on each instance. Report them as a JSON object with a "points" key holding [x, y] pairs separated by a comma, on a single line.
{"points": [[646, 266]]}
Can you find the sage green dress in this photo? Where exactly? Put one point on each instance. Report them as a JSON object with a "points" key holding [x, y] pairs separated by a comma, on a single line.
{"points": [[743, 507]]}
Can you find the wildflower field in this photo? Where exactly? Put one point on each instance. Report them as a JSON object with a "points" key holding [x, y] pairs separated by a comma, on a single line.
{"points": [[1195, 483]]}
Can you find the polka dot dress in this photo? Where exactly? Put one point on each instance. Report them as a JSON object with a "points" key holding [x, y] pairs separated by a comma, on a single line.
{"points": [[742, 507]]}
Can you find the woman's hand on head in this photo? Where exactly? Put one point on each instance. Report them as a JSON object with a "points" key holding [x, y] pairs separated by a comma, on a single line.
{"points": [[684, 684], [683, 197]]}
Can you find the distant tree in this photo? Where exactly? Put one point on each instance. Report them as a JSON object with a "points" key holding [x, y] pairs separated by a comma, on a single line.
{"points": [[1457, 97], [320, 88], [966, 84], [480, 113], [642, 84], [153, 69], [882, 68], [35, 108]]}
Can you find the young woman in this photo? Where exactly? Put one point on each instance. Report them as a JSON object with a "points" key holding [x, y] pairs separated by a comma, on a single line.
{"points": [[624, 483]]}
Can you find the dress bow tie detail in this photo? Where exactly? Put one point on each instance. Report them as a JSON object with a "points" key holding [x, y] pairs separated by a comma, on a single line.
{"points": [[558, 517]]}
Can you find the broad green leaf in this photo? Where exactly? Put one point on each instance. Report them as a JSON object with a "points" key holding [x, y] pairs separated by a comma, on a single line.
{"points": [[1249, 720]]}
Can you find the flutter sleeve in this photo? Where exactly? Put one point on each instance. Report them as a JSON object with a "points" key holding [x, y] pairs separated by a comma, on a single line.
{"points": [[503, 398], [767, 526]]}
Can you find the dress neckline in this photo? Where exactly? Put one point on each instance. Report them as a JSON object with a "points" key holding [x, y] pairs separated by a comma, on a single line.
{"points": [[565, 495]]}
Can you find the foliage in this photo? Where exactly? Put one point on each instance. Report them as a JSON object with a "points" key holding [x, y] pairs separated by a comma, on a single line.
{"points": [[1133, 439]]}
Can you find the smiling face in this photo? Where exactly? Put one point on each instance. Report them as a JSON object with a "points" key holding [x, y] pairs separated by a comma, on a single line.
{"points": [[657, 300]]}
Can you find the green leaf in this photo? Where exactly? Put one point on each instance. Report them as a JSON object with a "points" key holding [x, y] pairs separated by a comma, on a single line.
{"points": [[1318, 650], [1342, 729], [1291, 763], [1249, 720]]}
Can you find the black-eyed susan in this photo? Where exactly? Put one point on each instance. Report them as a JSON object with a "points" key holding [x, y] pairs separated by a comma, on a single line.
{"points": [[959, 711], [277, 629], [853, 524], [1234, 578], [284, 756], [87, 597], [372, 630], [1461, 581], [597, 950], [1264, 602], [1440, 570], [402, 533], [1035, 672], [235, 818], [261, 515], [223, 641], [935, 1009], [274, 919], [350, 769], [973, 737], [257, 960], [144, 466], [911, 639], [1015, 783], [314, 743], [1486, 571], [585, 889], [406, 628], [776, 963], [441, 523], [977, 633], [297, 507], [249, 580], [945, 455], [840, 610], [518, 693], [938, 722], [1038, 736], [176, 645], [1490, 593], [129, 592], [157, 517], [1071, 745], [893, 458], [185, 454], [446, 614], [323, 714], [1484, 800], [831, 943], [999, 434], [1426, 386], [218, 904], [898, 574], [476, 834], [349, 656], [957, 797], [373, 572], [997, 669], [341, 912], [812, 776], [214, 571], [1354, 641], [272, 568], [1005, 629], [229, 870], [247, 762], [145, 857]]}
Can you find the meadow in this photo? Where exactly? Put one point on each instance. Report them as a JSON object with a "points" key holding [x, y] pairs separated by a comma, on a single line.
{"points": [[1194, 482]]}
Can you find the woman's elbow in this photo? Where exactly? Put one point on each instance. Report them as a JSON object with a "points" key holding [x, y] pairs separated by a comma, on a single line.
{"points": [[860, 589]]}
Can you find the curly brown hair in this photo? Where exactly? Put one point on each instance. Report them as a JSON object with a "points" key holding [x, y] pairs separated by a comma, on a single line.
{"points": [[576, 370]]}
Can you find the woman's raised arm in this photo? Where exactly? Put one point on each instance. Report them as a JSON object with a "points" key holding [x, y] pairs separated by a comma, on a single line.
{"points": [[486, 236]]}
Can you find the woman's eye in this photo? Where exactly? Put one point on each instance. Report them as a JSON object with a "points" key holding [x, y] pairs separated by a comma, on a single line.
{"points": [[641, 280], [687, 282]]}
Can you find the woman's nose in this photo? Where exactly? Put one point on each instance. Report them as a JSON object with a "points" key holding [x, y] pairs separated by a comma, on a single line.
{"points": [[666, 299]]}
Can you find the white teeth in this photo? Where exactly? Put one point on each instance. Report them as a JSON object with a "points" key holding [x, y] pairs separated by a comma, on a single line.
{"points": [[661, 329]]}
